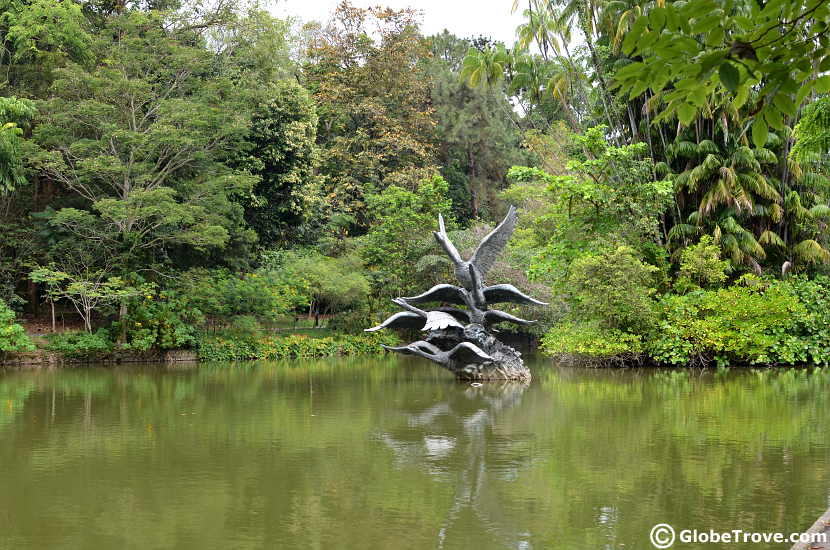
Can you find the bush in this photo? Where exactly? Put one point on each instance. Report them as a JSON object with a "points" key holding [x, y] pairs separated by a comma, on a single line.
{"points": [[353, 322], [264, 293], [163, 321], [614, 288], [812, 328], [13, 337], [85, 345], [748, 324], [589, 341], [227, 348], [701, 266]]}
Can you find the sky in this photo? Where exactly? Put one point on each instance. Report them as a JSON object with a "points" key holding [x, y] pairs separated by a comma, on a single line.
{"points": [[464, 18]]}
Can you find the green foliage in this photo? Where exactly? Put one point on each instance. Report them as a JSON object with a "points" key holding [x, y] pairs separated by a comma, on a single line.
{"points": [[701, 266], [354, 321], [478, 130], [229, 348], [88, 292], [282, 153], [143, 137], [15, 114], [13, 337], [607, 194], [690, 50], [163, 320], [81, 345], [746, 324], [39, 36], [366, 70], [614, 287], [222, 293], [590, 341], [389, 248], [812, 133], [333, 284]]}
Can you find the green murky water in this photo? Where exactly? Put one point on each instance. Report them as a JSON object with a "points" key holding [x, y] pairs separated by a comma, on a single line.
{"points": [[390, 453]]}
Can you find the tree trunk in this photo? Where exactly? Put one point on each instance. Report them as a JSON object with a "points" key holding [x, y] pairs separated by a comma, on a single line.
{"points": [[122, 313]]}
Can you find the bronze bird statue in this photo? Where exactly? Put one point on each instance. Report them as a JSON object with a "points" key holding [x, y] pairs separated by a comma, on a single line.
{"points": [[485, 254], [462, 340]]}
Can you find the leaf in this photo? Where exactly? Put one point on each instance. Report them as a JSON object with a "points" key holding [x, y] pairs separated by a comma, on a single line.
{"points": [[706, 24], [760, 132], [822, 84], [784, 104], [773, 117], [657, 18], [633, 35], [804, 91], [715, 37], [729, 76], [686, 113], [740, 97]]}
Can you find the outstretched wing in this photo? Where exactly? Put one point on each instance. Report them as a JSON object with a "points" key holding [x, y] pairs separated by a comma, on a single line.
{"points": [[445, 242], [439, 320], [465, 352], [491, 246], [422, 349], [402, 319], [508, 293], [460, 314], [493, 316], [439, 293]]}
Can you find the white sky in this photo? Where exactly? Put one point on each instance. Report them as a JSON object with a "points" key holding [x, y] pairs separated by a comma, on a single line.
{"points": [[464, 18]]}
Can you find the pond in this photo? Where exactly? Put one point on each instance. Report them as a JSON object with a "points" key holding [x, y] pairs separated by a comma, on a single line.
{"points": [[391, 453]]}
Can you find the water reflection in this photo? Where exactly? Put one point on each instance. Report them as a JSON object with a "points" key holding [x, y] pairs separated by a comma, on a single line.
{"points": [[388, 454], [457, 438]]}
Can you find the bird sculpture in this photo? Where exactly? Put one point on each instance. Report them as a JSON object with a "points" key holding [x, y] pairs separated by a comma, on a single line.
{"points": [[461, 339]]}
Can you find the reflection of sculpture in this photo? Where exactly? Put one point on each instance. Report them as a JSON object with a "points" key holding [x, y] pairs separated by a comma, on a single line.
{"points": [[467, 439], [459, 339]]}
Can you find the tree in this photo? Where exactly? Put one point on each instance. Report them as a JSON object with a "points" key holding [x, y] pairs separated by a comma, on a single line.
{"points": [[478, 132], [143, 138], [13, 337], [367, 74], [39, 36], [15, 114], [769, 55], [333, 284], [283, 154], [390, 248], [87, 292]]}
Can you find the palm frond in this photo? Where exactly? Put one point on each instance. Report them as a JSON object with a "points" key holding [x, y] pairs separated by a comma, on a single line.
{"points": [[810, 251], [770, 238]]}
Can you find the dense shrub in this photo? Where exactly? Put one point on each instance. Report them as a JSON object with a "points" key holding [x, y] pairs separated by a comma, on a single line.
{"points": [[162, 321], [12, 336], [221, 293], [701, 266], [590, 341], [353, 322], [751, 324], [80, 344], [228, 348], [614, 288]]}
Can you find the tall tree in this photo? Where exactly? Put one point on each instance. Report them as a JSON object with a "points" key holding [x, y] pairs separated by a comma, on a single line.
{"points": [[367, 74], [143, 138], [282, 152], [479, 134]]}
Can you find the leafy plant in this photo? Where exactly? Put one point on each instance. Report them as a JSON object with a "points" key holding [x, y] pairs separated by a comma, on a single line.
{"points": [[81, 345], [13, 337]]}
